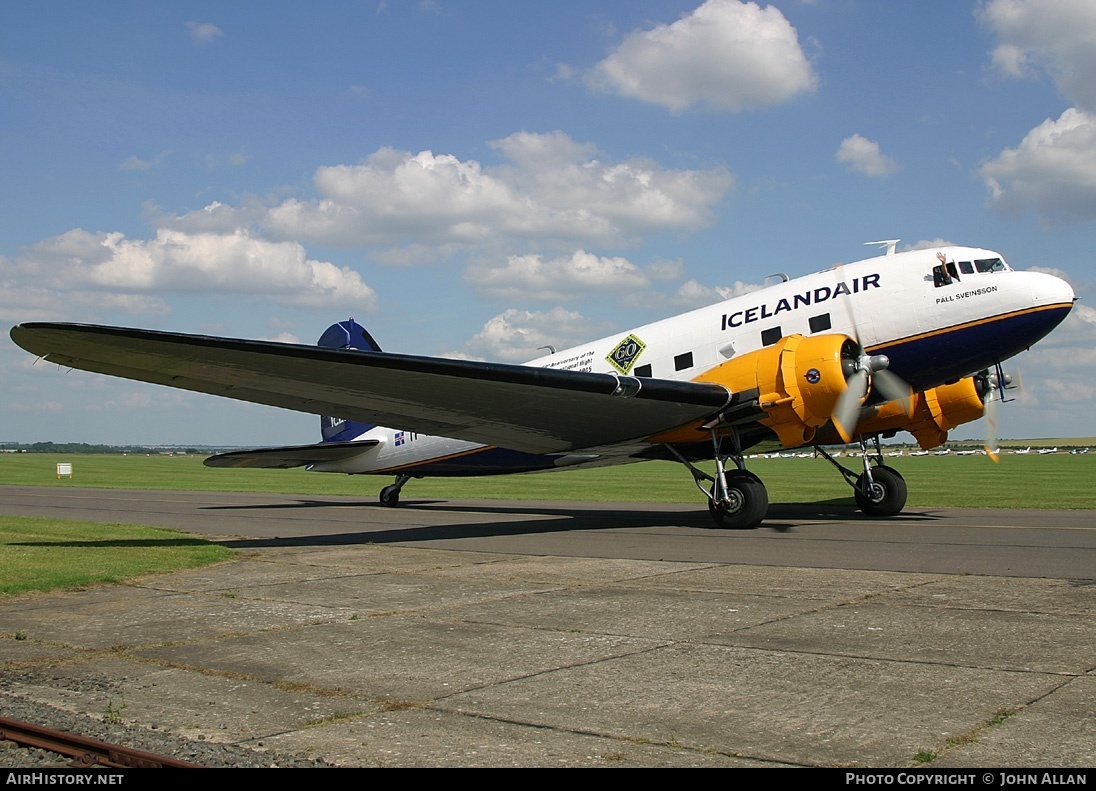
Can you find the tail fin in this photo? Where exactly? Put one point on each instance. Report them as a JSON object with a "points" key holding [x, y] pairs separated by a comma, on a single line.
{"points": [[345, 335]]}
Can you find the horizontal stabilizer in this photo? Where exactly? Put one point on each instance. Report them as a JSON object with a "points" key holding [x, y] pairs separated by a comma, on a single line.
{"points": [[291, 456]]}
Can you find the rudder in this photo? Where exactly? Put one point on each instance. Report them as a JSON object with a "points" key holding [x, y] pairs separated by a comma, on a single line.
{"points": [[352, 336]]}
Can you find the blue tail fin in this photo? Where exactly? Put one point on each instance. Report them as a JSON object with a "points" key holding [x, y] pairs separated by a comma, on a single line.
{"points": [[345, 335]]}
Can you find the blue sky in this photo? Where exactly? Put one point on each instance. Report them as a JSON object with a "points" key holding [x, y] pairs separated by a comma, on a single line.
{"points": [[481, 178]]}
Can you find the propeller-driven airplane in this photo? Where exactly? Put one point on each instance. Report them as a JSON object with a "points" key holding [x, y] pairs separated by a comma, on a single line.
{"points": [[908, 341]]}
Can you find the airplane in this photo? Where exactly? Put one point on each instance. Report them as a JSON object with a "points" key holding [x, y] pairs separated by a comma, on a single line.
{"points": [[909, 341]]}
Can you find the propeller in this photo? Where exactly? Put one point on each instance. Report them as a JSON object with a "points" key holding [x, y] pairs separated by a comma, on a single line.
{"points": [[865, 373]]}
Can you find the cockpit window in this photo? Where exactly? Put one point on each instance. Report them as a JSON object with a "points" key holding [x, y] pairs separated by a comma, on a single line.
{"points": [[990, 265], [945, 274], [966, 267]]}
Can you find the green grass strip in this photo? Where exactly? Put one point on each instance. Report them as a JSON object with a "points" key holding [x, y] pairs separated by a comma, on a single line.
{"points": [[1052, 481], [38, 554]]}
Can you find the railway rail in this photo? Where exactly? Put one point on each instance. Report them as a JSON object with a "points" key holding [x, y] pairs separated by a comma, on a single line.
{"points": [[86, 752]]}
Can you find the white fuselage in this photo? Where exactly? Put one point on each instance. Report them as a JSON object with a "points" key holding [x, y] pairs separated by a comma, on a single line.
{"points": [[939, 314]]}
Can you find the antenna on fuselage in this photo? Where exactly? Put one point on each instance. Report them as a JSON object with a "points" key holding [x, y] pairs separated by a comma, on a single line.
{"points": [[890, 244]]}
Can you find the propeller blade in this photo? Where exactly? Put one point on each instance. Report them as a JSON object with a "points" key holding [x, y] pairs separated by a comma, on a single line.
{"points": [[893, 388], [847, 411], [990, 413]]}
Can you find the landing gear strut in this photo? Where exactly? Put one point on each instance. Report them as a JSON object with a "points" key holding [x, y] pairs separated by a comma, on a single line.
{"points": [[390, 495], [737, 499], [878, 490]]}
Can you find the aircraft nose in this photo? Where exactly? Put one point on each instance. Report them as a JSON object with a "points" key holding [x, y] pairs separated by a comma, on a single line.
{"points": [[1047, 289]]}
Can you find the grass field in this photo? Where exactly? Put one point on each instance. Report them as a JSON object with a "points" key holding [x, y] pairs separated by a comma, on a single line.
{"points": [[1056, 480], [47, 554]]}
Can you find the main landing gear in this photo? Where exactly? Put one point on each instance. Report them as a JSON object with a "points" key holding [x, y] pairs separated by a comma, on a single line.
{"points": [[390, 495], [738, 500], [878, 490]]}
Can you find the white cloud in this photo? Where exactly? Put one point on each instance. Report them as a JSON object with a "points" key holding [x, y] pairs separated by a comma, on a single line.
{"points": [[551, 190], [520, 335], [135, 163], [125, 273], [692, 294], [566, 277], [1056, 375], [1053, 170], [1056, 38], [726, 54], [863, 156], [927, 244], [204, 32], [216, 218]]}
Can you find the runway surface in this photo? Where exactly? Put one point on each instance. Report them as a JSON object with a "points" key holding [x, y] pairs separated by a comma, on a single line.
{"points": [[1005, 542], [488, 633]]}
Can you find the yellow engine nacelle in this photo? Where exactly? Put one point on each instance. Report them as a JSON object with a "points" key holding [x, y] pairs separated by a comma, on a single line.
{"points": [[798, 381], [934, 412]]}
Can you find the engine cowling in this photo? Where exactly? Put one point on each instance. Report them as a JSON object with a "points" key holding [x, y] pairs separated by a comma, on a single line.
{"points": [[934, 412], [798, 381]]}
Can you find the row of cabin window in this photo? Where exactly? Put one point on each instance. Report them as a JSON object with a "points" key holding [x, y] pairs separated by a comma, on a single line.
{"points": [[768, 338]]}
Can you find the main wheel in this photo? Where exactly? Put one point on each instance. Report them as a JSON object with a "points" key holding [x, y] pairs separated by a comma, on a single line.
{"points": [[746, 504], [886, 496]]}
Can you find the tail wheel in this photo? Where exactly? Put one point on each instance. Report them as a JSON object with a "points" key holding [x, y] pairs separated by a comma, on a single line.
{"points": [[886, 496], [390, 496], [746, 503]]}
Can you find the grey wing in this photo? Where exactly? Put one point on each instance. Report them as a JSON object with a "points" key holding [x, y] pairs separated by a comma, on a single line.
{"points": [[538, 410]]}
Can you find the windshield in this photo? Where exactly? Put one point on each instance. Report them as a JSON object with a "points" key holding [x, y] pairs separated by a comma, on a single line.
{"points": [[990, 265]]}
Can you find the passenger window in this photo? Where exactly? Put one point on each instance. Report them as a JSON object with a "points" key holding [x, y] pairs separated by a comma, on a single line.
{"points": [[771, 336], [683, 361], [820, 323]]}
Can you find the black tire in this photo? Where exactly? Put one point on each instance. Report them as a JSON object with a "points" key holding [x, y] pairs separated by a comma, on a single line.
{"points": [[390, 496], [748, 502], [887, 496]]}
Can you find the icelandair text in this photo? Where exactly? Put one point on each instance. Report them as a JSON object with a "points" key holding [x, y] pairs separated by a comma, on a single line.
{"points": [[806, 298]]}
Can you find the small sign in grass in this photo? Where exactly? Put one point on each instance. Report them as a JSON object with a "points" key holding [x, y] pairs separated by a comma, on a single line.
{"points": [[39, 554]]}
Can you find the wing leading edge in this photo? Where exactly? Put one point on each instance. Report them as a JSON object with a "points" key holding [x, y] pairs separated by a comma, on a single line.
{"points": [[539, 410]]}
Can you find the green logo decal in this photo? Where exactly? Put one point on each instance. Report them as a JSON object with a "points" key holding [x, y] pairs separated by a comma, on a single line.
{"points": [[624, 356]]}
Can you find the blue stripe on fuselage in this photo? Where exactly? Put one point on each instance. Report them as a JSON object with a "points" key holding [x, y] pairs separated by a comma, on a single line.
{"points": [[946, 355]]}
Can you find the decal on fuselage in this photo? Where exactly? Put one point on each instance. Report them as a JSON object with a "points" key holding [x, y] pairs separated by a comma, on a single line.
{"points": [[806, 298], [967, 294], [577, 362], [624, 354]]}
